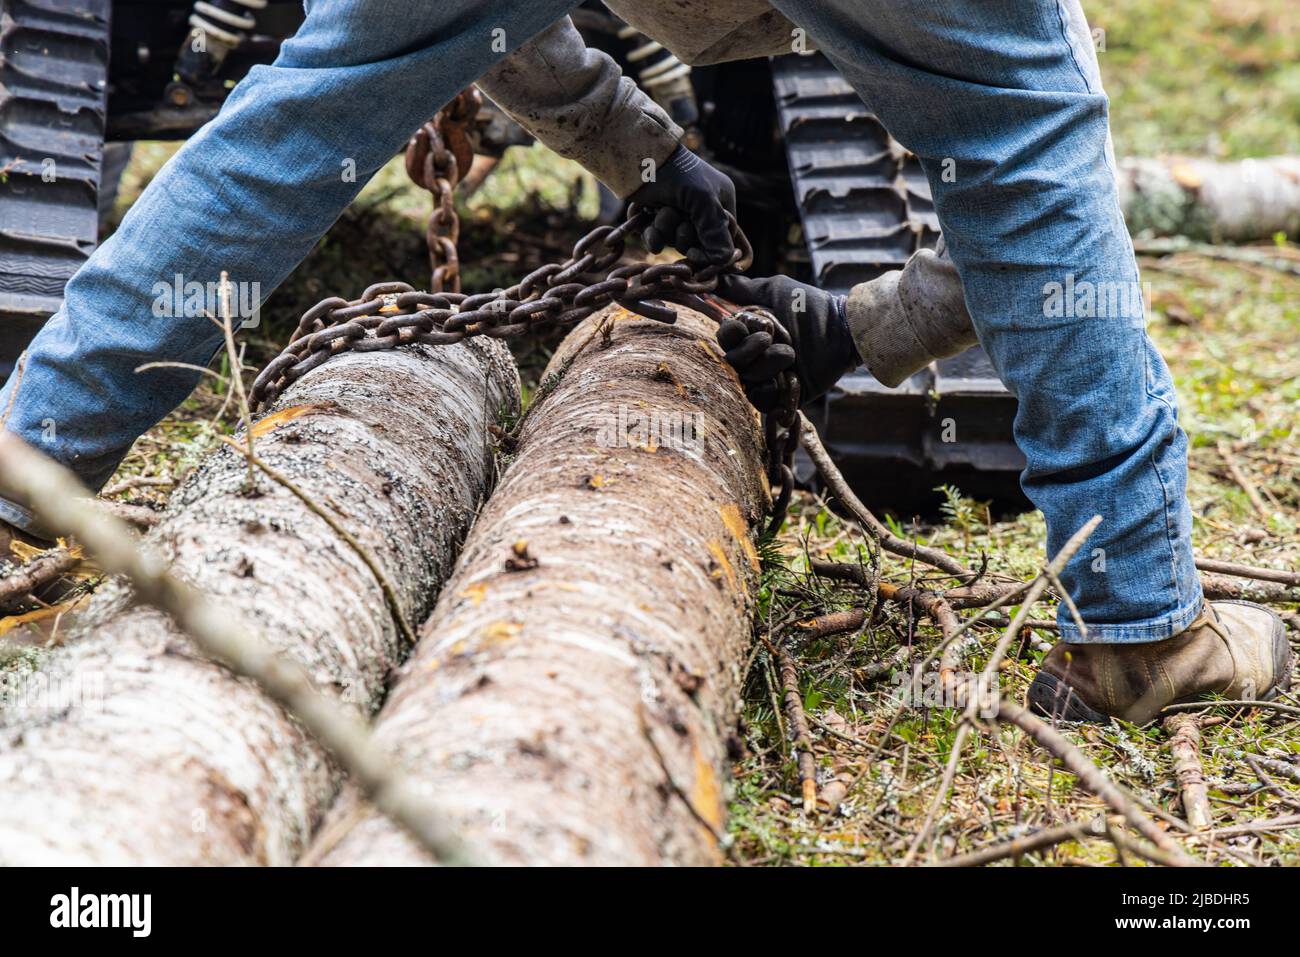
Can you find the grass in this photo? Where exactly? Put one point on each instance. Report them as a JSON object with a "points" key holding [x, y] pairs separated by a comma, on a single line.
{"points": [[1217, 77]]}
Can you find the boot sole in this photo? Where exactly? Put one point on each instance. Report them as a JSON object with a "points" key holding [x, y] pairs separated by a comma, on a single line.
{"points": [[1053, 698]]}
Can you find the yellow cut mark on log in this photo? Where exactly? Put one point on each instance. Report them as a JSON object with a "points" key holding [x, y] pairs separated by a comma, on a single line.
{"points": [[706, 795], [714, 352], [1186, 175], [738, 527], [277, 419], [724, 563], [501, 631], [476, 593], [17, 621]]}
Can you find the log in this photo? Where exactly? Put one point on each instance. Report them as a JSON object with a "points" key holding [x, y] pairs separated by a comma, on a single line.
{"points": [[162, 757], [570, 699], [1213, 201]]}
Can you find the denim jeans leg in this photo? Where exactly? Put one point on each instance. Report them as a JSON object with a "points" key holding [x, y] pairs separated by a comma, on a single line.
{"points": [[249, 194], [1001, 100]]}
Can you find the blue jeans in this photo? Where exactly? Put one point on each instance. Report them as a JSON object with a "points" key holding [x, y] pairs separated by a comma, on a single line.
{"points": [[1000, 99]]}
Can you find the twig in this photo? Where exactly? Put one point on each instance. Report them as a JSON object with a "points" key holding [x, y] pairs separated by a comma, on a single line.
{"points": [[64, 505], [41, 570], [1035, 841], [945, 785], [1090, 776], [1248, 571], [137, 481], [798, 721], [1053, 569], [1289, 771], [1184, 732], [1243, 703], [1234, 254], [834, 623], [1242, 479], [873, 527], [1270, 785], [141, 516], [237, 376], [1264, 593]]}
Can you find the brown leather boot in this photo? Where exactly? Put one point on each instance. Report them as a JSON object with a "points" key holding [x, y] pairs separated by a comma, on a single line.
{"points": [[1234, 648]]}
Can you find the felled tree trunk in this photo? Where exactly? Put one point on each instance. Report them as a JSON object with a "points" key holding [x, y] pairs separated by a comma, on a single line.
{"points": [[167, 758], [1203, 199], [571, 697]]}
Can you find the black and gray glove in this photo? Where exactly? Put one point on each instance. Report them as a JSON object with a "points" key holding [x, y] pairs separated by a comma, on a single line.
{"points": [[696, 206], [820, 351]]}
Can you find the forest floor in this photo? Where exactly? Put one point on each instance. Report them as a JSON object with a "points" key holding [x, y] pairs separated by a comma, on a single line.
{"points": [[1217, 78]]}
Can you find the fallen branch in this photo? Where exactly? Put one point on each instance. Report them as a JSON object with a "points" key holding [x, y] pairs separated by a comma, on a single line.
{"points": [[44, 568], [1249, 571], [1218, 587], [1184, 732], [862, 515], [1027, 843], [801, 737], [1090, 776]]}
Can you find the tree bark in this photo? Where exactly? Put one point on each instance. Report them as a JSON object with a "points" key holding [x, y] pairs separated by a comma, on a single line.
{"points": [[164, 757], [1217, 202], [571, 696]]}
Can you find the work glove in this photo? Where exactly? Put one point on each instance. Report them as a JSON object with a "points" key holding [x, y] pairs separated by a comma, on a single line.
{"points": [[696, 206], [821, 349]]}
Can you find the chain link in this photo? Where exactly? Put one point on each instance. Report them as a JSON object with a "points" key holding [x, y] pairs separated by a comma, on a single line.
{"points": [[438, 155], [555, 296]]}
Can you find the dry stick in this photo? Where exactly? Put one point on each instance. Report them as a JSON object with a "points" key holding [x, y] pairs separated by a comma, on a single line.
{"points": [[1090, 776], [941, 796], [1184, 732], [1051, 572], [41, 570], [1242, 479], [834, 623], [1269, 784], [798, 727], [1289, 771], [871, 525], [1242, 703], [1261, 592], [140, 516], [63, 504], [1036, 841], [137, 481], [1249, 571]]}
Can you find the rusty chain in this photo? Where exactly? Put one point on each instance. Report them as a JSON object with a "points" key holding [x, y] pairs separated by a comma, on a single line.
{"points": [[557, 295], [438, 155]]}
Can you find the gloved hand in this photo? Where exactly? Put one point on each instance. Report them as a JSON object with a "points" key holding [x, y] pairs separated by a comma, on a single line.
{"points": [[821, 348], [694, 201]]}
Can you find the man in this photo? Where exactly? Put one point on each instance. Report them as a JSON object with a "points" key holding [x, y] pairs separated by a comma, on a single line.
{"points": [[1001, 101]]}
